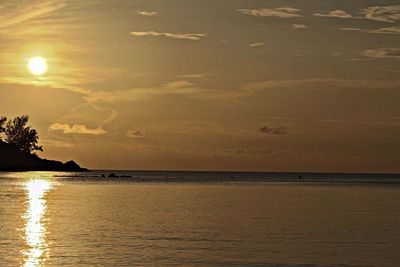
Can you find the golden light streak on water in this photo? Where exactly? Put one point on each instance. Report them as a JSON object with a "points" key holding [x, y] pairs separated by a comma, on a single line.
{"points": [[35, 227]]}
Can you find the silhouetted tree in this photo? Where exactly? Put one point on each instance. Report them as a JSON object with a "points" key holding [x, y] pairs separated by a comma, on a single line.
{"points": [[18, 133], [2, 122]]}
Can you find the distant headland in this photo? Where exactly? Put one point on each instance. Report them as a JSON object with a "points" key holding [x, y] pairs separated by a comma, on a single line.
{"points": [[18, 147]]}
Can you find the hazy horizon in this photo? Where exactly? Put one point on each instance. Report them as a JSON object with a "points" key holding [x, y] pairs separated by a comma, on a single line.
{"points": [[290, 86]]}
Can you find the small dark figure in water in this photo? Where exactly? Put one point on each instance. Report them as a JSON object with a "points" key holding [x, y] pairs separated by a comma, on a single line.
{"points": [[300, 177], [112, 175]]}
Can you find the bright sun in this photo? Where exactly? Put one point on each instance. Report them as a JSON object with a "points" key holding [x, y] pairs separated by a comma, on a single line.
{"points": [[37, 65]]}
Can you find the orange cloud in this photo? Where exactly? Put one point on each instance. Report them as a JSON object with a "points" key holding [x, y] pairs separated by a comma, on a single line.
{"points": [[76, 129]]}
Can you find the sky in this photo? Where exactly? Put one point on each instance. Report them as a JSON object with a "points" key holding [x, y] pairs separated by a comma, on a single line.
{"points": [[246, 85]]}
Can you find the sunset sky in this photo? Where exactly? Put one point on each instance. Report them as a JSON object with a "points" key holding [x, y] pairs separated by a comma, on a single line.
{"points": [[259, 85]]}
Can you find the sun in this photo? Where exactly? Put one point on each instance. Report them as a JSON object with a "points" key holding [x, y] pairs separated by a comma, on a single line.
{"points": [[37, 65]]}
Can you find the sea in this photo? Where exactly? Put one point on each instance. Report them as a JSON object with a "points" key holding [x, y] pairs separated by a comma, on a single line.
{"points": [[170, 218]]}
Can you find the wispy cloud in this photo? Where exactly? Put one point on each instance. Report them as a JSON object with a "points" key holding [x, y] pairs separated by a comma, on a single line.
{"points": [[183, 36], [251, 88], [386, 30], [299, 26], [76, 129], [135, 134], [334, 14], [351, 29], [378, 13], [179, 87], [147, 13], [280, 12], [179, 84], [383, 53], [28, 12], [192, 76], [194, 91], [56, 143], [382, 13], [273, 130], [256, 44]]}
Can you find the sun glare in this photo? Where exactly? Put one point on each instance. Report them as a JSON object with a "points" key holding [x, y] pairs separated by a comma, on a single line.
{"points": [[35, 226], [37, 65]]}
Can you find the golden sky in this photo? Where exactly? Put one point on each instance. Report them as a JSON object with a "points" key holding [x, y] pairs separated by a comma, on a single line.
{"points": [[259, 85]]}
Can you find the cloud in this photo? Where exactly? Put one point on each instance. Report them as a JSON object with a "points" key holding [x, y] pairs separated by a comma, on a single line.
{"points": [[383, 53], [256, 44], [334, 14], [377, 13], [179, 84], [183, 36], [179, 87], [135, 134], [195, 91], [56, 143], [147, 13], [24, 13], [251, 88], [280, 12], [192, 76], [271, 130], [76, 129], [382, 13], [351, 29], [386, 30], [299, 26]]}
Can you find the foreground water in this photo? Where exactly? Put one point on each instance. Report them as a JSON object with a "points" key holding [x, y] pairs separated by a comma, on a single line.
{"points": [[209, 219]]}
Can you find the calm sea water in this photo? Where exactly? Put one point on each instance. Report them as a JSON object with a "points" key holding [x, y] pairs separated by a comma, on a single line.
{"points": [[205, 219]]}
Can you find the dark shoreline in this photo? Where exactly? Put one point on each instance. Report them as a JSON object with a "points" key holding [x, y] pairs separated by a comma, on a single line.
{"points": [[12, 159]]}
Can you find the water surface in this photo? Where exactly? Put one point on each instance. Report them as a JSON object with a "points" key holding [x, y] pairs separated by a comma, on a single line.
{"points": [[53, 219]]}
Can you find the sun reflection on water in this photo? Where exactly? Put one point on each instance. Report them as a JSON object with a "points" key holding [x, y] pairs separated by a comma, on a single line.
{"points": [[35, 227]]}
